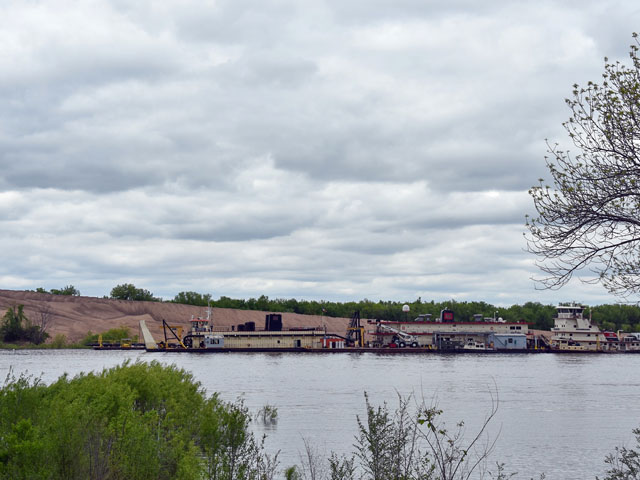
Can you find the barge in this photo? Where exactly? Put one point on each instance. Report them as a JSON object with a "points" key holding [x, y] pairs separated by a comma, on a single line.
{"points": [[422, 335], [445, 333], [203, 337], [572, 332]]}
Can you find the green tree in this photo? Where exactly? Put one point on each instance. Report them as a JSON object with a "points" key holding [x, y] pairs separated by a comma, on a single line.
{"points": [[227, 302], [12, 321], [261, 303], [588, 218], [68, 290], [229, 448], [128, 291], [193, 298], [16, 327]]}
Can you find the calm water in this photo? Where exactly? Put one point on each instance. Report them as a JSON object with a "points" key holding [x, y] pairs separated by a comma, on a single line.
{"points": [[558, 414]]}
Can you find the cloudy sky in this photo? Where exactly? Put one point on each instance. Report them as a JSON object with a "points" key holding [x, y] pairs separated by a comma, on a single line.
{"points": [[333, 149]]}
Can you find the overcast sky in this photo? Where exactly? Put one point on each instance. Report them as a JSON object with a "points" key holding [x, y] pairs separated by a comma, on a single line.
{"points": [[336, 150]]}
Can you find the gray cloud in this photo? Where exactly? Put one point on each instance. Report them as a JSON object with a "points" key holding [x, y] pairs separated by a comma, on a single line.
{"points": [[333, 150]]}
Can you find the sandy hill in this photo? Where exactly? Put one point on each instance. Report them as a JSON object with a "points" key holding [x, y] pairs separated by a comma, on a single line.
{"points": [[75, 316]]}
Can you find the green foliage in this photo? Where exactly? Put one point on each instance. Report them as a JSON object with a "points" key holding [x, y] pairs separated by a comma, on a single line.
{"points": [[134, 422], [128, 291], [292, 473], [381, 440], [16, 327], [68, 290], [342, 467], [618, 314], [230, 450], [268, 415], [21, 444], [59, 341], [113, 335], [624, 463], [193, 298], [539, 316], [12, 329]]}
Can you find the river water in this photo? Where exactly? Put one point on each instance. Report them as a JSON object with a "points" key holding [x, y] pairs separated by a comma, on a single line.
{"points": [[557, 414]]}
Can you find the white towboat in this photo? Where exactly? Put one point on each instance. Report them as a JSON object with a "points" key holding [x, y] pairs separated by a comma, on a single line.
{"points": [[573, 331]]}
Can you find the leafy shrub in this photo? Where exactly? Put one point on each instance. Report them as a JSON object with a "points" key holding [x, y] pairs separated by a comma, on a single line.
{"points": [[16, 327], [113, 335], [135, 422], [128, 291]]}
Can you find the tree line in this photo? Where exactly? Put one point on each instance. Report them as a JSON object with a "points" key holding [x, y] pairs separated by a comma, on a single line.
{"points": [[537, 315]]}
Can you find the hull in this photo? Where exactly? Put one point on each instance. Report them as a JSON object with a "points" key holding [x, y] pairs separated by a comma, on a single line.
{"points": [[381, 350]]}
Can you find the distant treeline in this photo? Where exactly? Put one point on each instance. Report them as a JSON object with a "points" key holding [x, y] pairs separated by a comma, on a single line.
{"points": [[539, 316]]}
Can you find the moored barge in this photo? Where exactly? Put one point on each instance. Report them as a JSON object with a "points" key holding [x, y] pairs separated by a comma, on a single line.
{"points": [[572, 332]]}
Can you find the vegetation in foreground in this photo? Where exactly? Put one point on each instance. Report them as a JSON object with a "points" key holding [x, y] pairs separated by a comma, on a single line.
{"points": [[148, 421], [135, 421]]}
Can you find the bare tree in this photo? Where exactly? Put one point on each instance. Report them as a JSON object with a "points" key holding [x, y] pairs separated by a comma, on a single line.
{"points": [[453, 456], [589, 215], [403, 445], [44, 321], [313, 465], [407, 444]]}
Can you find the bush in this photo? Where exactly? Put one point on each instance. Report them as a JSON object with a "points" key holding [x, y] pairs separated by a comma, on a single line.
{"points": [[113, 335], [407, 443], [16, 327], [193, 298], [128, 291], [134, 422], [68, 290], [624, 463]]}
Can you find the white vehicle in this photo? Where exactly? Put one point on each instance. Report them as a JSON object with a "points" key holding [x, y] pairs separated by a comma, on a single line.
{"points": [[400, 338], [474, 345]]}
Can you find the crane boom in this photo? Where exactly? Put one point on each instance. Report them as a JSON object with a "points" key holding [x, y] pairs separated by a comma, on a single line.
{"points": [[404, 338]]}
